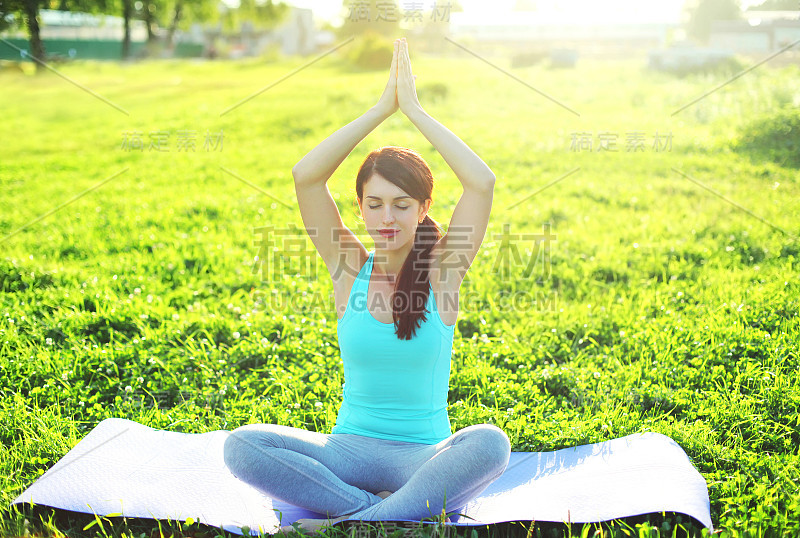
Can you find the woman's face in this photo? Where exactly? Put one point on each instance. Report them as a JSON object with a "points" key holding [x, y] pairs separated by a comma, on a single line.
{"points": [[386, 206]]}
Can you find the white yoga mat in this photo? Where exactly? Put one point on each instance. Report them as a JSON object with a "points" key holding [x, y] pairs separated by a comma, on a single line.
{"points": [[122, 467]]}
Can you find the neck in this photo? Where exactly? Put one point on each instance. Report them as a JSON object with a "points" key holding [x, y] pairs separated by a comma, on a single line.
{"points": [[386, 264]]}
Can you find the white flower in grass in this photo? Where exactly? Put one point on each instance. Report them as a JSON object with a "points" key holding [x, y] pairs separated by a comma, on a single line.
{"points": [[139, 379], [128, 388], [318, 405], [236, 334], [48, 341], [176, 317], [296, 405]]}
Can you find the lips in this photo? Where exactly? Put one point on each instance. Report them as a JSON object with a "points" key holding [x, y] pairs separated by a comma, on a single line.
{"points": [[388, 232]]}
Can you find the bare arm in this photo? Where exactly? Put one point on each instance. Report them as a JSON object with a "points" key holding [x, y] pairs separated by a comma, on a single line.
{"points": [[321, 217], [471, 171], [321, 162], [457, 249]]}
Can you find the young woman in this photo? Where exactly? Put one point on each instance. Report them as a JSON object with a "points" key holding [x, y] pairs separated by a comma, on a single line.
{"points": [[391, 454]]}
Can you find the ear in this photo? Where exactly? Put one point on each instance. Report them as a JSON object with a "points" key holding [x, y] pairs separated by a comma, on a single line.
{"points": [[423, 209]]}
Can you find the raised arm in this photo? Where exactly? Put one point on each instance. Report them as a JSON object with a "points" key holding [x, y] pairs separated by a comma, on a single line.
{"points": [[459, 246], [323, 222]]}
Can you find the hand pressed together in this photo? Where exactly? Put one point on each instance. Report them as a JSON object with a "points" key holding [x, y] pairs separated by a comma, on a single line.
{"points": [[400, 92], [406, 86]]}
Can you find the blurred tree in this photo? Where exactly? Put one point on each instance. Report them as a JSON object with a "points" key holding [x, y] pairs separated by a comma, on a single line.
{"points": [[263, 14], [166, 13], [703, 12], [379, 16], [170, 14], [148, 13], [429, 35], [127, 13], [27, 11], [258, 14]]}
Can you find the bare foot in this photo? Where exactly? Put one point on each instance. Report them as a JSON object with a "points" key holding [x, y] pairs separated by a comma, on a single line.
{"points": [[311, 525]]}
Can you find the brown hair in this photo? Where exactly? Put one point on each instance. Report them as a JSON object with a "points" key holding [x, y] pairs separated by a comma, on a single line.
{"points": [[408, 170]]}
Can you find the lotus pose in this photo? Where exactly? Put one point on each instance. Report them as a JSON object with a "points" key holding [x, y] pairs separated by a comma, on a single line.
{"points": [[391, 454]]}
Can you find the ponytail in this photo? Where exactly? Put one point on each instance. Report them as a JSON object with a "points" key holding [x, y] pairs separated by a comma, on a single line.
{"points": [[412, 290]]}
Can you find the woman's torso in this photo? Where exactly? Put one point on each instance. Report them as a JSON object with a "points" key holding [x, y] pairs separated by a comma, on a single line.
{"points": [[394, 388]]}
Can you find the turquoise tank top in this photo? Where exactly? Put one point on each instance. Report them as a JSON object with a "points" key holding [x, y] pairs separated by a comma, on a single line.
{"points": [[393, 389]]}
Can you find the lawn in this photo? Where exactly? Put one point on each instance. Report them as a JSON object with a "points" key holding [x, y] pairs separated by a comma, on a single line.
{"points": [[150, 264]]}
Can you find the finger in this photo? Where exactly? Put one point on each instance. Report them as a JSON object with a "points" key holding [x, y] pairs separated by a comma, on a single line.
{"points": [[393, 73], [403, 57]]}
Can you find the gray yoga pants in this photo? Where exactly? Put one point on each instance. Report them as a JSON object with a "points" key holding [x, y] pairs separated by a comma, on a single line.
{"points": [[339, 474]]}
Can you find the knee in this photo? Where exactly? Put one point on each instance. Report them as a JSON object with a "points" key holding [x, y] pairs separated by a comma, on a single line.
{"points": [[495, 446], [245, 443], [234, 450]]}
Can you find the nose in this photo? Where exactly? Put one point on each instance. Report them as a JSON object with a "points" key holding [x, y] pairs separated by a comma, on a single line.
{"points": [[388, 216]]}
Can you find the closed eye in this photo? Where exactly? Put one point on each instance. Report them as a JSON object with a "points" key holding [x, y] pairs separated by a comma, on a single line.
{"points": [[397, 206]]}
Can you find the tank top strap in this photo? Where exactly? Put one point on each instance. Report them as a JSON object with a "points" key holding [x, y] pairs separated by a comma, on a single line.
{"points": [[362, 278], [359, 288]]}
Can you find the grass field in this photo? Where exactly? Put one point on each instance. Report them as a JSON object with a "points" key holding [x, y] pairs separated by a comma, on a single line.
{"points": [[657, 305]]}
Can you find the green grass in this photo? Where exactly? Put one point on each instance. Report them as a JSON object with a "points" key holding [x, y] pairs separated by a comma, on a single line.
{"points": [[662, 307]]}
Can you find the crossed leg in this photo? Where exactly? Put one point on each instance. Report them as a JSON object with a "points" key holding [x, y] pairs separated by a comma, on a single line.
{"points": [[304, 468], [335, 474], [446, 476]]}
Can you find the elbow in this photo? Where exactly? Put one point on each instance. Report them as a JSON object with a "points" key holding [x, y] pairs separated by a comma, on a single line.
{"points": [[487, 185], [297, 174]]}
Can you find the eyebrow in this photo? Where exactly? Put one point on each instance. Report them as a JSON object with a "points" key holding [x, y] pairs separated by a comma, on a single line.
{"points": [[395, 198]]}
